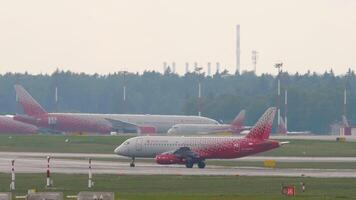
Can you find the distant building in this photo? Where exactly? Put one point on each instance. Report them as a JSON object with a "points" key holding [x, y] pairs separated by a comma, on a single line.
{"points": [[343, 128]]}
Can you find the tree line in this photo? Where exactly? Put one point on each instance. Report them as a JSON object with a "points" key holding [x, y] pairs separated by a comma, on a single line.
{"points": [[314, 100]]}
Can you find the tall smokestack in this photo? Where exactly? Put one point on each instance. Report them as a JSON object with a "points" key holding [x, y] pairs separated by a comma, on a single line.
{"points": [[186, 67], [209, 68], [56, 98], [345, 101], [173, 67], [254, 60], [218, 67], [286, 108], [164, 67], [238, 48]]}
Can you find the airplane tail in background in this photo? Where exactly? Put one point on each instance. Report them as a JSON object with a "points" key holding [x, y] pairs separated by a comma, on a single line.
{"points": [[344, 121], [239, 120], [29, 105], [282, 130], [262, 128]]}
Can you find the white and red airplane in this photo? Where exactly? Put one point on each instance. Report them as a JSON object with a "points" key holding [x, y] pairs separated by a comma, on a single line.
{"points": [[191, 150], [236, 127]]}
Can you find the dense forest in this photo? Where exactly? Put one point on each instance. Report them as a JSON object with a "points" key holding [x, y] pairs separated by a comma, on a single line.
{"points": [[314, 100]]}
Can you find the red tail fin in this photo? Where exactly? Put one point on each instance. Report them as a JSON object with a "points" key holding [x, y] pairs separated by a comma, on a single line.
{"points": [[28, 103], [263, 127], [239, 120]]}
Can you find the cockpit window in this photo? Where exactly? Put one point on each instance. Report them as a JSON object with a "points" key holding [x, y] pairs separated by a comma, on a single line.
{"points": [[126, 143]]}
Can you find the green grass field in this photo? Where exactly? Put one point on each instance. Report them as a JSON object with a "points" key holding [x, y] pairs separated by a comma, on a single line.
{"points": [[188, 187], [313, 148], [106, 144], [56, 143]]}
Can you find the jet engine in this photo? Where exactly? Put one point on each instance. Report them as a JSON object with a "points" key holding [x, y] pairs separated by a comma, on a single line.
{"points": [[147, 130], [166, 159]]}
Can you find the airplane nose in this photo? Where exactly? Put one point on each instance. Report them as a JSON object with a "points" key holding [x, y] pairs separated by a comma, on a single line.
{"points": [[117, 150], [121, 150]]}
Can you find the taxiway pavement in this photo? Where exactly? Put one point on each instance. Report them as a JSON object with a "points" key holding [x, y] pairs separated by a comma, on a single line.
{"points": [[36, 163]]}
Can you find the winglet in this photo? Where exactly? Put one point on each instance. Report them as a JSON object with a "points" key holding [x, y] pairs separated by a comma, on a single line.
{"points": [[262, 128], [29, 105]]}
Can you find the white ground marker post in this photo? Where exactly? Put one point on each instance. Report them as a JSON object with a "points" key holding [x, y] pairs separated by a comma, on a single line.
{"points": [[48, 183], [12, 185], [90, 182]]}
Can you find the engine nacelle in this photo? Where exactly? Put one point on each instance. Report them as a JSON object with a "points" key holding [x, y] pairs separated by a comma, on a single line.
{"points": [[147, 130], [26, 119], [167, 159]]}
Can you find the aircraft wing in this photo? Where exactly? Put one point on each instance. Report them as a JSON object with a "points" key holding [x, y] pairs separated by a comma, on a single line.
{"points": [[185, 152], [122, 126], [180, 155]]}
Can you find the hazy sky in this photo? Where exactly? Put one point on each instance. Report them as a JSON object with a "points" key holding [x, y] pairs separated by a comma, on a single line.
{"points": [[105, 36]]}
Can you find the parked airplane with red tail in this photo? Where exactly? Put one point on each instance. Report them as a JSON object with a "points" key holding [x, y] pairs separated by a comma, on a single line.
{"points": [[195, 150], [236, 127], [98, 123]]}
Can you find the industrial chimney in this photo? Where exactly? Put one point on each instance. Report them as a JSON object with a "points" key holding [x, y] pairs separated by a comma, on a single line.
{"points": [[164, 67], [209, 68], [238, 48], [186, 67], [173, 67]]}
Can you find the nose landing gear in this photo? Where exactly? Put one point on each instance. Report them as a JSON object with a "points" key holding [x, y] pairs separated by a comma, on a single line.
{"points": [[132, 164]]}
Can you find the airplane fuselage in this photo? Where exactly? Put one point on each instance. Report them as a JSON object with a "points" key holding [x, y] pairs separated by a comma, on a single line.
{"points": [[189, 129], [181, 129], [205, 147]]}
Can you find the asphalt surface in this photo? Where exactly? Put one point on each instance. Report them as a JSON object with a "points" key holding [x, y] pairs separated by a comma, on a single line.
{"points": [[76, 164], [16, 155]]}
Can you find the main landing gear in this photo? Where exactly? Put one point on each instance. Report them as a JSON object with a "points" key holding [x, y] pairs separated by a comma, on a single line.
{"points": [[190, 163], [132, 164], [201, 164]]}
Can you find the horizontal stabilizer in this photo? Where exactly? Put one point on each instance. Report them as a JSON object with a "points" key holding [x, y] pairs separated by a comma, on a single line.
{"points": [[283, 143]]}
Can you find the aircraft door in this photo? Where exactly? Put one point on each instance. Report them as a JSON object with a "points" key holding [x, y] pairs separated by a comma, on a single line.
{"points": [[139, 144]]}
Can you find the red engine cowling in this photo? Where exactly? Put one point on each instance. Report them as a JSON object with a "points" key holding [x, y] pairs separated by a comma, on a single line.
{"points": [[147, 130], [166, 159]]}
